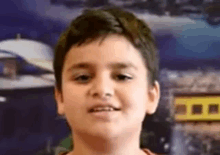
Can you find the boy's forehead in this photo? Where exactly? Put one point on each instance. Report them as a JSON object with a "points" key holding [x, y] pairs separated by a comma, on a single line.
{"points": [[110, 45], [112, 65], [112, 42], [105, 39], [114, 50]]}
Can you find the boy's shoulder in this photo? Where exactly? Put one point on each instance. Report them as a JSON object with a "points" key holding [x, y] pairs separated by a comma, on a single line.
{"points": [[148, 152], [63, 153]]}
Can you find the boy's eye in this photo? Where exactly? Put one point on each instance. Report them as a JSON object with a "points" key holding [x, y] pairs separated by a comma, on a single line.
{"points": [[122, 77], [85, 78], [82, 78]]}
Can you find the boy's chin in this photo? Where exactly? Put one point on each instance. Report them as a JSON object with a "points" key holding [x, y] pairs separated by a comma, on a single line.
{"points": [[104, 133], [107, 133]]}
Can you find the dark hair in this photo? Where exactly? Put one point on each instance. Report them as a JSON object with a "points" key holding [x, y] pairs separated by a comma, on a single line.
{"points": [[96, 23]]}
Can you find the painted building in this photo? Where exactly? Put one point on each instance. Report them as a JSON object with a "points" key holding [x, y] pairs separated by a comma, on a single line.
{"points": [[27, 105], [8, 66], [193, 98]]}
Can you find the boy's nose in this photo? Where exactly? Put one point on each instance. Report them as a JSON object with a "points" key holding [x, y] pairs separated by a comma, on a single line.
{"points": [[102, 88]]}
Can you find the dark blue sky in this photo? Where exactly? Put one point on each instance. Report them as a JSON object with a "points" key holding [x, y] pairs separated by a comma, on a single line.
{"points": [[41, 21]]}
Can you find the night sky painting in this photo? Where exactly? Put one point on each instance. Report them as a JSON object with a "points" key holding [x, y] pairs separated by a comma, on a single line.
{"points": [[178, 38], [184, 44]]}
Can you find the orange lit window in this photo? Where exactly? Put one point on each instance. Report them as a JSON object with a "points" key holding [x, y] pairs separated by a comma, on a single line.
{"points": [[180, 109], [196, 109], [213, 109]]}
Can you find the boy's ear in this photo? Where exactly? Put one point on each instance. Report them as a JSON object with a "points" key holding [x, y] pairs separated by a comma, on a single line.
{"points": [[153, 98], [59, 100]]}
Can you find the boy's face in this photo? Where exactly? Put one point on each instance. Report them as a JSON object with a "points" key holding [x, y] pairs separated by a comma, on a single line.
{"points": [[110, 75]]}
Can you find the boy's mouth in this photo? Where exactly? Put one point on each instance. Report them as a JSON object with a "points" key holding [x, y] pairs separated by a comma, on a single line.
{"points": [[101, 109], [105, 112]]}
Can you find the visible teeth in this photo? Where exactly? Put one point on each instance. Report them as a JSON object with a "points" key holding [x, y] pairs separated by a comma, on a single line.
{"points": [[103, 109]]}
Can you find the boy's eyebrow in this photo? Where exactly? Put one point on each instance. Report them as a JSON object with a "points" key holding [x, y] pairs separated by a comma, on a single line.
{"points": [[122, 65], [113, 65]]}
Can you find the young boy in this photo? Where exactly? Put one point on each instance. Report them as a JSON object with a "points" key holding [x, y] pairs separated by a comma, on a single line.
{"points": [[106, 70]]}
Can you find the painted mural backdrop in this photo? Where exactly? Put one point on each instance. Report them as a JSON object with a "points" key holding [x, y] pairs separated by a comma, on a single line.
{"points": [[188, 36]]}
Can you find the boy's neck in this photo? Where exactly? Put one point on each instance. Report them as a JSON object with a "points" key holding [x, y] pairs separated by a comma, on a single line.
{"points": [[125, 145]]}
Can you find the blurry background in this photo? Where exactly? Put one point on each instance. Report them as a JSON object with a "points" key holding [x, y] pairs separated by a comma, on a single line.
{"points": [[188, 35]]}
